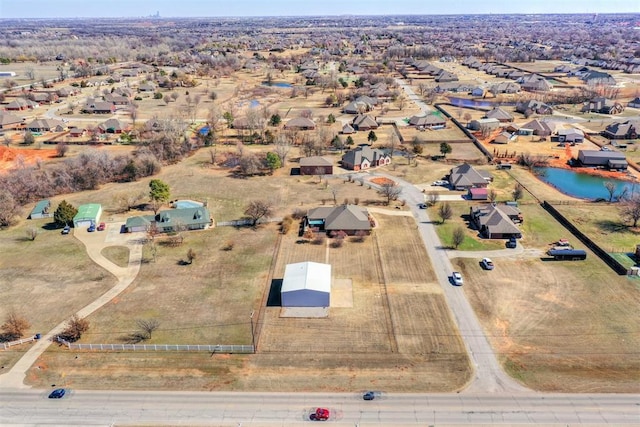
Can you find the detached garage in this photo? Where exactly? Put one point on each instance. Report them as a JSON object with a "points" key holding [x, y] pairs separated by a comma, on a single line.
{"points": [[306, 284], [87, 214]]}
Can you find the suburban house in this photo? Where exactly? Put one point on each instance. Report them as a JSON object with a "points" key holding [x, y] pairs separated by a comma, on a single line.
{"points": [[306, 284], [445, 76], [364, 157], [541, 127], [21, 104], [67, 91], [9, 121], [43, 97], [41, 210], [117, 99], [46, 125], [571, 135], [349, 219], [300, 123], [603, 106], [534, 83], [480, 124], [76, 132], [532, 106], [431, 121], [609, 159], [495, 222], [147, 87], [98, 107], [465, 176], [171, 220], [500, 114], [361, 105], [504, 87], [635, 103], [622, 130], [347, 129], [364, 122], [316, 165], [113, 126]]}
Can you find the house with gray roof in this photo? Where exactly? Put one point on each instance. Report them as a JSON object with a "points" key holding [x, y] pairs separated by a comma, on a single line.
{"points": [[113, 126], [171, 220], [534, 83], [347, 218], [541, 127], [364, 157], [300, 123], [316, 165], [613, 160], [429, 121], [9, 120], [364, 122], [603, 106], [464, 177], [500, 114], [494, 222], [533, 106], [46, 125], [41, 210], [622, 130]]}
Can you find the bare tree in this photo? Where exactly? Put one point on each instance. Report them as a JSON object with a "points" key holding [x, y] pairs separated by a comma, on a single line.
{"points": [[518, 192], [76, 326], [8, 207], [432, 198], [393, 142], [390, 191], [445, 212], [61, 149], [191, 255], [630, 210], [147, 327], [14, 327], [492, 195], [283, 146], [32, 233], [257, 210], [6, 140], [611, 189], [457, 237]]}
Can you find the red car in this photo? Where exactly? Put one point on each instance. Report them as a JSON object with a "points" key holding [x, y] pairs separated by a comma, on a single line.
{"points": [[321, 414], [102, 226]]}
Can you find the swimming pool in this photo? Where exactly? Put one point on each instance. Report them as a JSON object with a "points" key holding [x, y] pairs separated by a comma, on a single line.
{"points": [[186, 204]]}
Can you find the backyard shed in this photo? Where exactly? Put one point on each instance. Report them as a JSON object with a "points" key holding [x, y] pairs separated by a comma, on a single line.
{"points": [[306, 284], [478, 194], [87, 214], [41, 210]]}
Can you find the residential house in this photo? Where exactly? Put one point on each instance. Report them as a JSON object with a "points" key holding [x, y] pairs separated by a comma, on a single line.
{"points": [[540, 127], [43, 97], [464, 177], [113, 126], [614, 160], [98, 107], [67, 91], [505, 87], [500, 114], [364, 122], [76, 132], [622, 130], [533, 106], [349, 219], [534, 83], [505, 138], [364, 157], [147, 87], [116, 99], [347, 129], [300, 123], [635, 103], [316, 165], [445, 76], [171, 220], [493, 222], [41, 210], [10, 121], [603, 106], [21, 104], [46, 125], [430, 121]]}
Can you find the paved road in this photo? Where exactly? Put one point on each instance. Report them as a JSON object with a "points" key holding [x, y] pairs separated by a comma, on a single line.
{"points": [[94, 243], [291, 409], [489, 376], [412, 96]]}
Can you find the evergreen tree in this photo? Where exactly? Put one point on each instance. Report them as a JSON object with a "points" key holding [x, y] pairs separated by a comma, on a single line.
{"points": [[65, 213]]}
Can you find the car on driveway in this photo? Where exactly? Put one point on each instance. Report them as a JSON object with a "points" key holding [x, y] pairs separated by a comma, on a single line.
{"points": [[102, 226], [91, 228], [486, 263], [422, 206], [456, 277], [512, 243], [66, 230], [441, 183], [57, 393]]}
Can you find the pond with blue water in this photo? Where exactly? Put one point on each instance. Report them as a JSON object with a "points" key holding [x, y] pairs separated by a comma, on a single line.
{"points": [[278, 84], [584, 186]]}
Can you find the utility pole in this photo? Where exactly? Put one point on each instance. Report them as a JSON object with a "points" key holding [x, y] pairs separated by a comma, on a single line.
{"points": [[253, 336]]}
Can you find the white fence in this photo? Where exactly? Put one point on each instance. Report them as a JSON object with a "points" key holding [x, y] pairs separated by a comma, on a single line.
{"points": [[6, 345], [160, 347]]}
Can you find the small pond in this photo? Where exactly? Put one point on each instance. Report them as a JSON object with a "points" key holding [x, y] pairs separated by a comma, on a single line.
{"points": [[582, 185], [278, 84]]}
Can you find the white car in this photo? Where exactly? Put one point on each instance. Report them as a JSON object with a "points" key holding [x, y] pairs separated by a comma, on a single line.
{"points": [[441, 183], [457, 278], [487, 264]]}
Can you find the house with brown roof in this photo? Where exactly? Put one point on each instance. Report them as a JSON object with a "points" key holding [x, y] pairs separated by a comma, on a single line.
{"points": [[46, 125], [622, 130], [364, 157], [603, 106], [21, 104], [364, 122], [500, 114], [316, 165], [534, 83], [430, 121], [533, 106], [9, 121], [300, 123], [349, 219], [541, 127], [98, 107], [113, 126], [495, 222]]}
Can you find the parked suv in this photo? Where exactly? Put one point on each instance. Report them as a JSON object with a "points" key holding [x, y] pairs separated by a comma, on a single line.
{"points": [[512, 243]]}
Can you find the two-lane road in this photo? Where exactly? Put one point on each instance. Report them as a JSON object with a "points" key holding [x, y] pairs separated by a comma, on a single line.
{"points": [[290, 409]]}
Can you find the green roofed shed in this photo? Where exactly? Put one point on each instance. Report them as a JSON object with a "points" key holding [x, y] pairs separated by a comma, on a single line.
{"points": [[87, 214]]}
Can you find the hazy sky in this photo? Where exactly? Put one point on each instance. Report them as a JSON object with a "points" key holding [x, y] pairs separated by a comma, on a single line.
{"points": [[206, 8]]}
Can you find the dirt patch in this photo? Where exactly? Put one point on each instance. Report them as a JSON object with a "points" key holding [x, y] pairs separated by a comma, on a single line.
{"points": [[13, 157], [382, 181]]}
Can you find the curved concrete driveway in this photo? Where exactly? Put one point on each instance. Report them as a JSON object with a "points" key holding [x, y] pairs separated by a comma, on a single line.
{"points": [[94, 243], [489, 376]]}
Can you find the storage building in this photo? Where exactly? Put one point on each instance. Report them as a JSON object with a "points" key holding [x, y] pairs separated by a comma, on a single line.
{"points": [[306, 284]]}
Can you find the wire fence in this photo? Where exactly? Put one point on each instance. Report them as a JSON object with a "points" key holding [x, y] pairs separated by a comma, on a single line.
{"points": [[229, 349]]}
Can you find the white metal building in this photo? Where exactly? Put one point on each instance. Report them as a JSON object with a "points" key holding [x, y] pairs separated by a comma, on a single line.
{"points": [[306, 284]]}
